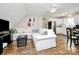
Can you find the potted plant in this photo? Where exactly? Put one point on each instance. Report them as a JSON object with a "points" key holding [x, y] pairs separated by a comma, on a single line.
{"points": [[12, 31]]}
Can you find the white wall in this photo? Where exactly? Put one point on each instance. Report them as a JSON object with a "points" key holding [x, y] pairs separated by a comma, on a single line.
{"points": [[12, 12], [76, 18], [16, 13], [62, 30], [58, 21], [59, 30], [24, 23]]}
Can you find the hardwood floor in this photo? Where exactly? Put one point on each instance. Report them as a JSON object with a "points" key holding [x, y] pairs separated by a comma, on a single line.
{"points": [[60, 49]]}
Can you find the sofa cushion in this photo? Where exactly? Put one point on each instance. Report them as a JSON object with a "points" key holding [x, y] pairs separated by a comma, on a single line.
{"points": [[35, 30], [45, 33], [42, 30], [19, 30], [23, 30], [50, 32]]}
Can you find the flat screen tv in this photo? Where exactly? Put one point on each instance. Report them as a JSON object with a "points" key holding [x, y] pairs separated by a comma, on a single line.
{"points": [[4, 25]]}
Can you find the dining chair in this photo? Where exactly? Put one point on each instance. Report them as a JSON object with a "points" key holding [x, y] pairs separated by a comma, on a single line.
{"points": [[71, 36]]}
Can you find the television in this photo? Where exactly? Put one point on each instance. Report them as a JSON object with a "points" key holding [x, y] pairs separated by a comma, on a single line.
{"points": [[4, 25]]}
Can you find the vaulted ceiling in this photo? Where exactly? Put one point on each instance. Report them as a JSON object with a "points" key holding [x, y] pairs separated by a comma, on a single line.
{"points": [[41, 9], [36, 9]]}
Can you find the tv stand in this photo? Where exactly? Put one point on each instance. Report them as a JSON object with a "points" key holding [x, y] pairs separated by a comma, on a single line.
{"points": [[4, 38]]}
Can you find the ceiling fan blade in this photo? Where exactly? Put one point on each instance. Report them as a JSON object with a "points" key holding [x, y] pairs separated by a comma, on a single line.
{"points": [[61, 17]]}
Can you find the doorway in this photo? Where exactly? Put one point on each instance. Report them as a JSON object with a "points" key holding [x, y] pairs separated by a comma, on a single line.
{"points": [[50, 25]]}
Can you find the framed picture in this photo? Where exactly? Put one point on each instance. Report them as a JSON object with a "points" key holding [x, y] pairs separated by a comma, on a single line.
{"points": [[30, 20]]}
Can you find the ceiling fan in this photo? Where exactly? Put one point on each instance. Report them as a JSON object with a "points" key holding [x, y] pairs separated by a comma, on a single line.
{"points": [[53, 10], [53, 7]]}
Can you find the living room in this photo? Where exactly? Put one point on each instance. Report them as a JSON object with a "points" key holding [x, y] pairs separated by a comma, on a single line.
{"points": [[42, 25]]}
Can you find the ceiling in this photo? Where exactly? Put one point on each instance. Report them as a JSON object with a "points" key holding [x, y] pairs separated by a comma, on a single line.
{"points": [[38, 9]]}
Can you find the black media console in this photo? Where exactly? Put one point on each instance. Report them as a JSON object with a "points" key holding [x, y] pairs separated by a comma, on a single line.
{"points": [[5, 36]]}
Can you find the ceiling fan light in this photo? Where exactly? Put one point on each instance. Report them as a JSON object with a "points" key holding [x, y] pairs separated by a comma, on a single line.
{"points": [[53, 10]]}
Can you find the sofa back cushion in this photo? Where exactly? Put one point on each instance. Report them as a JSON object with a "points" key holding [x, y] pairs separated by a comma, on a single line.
{"points": [[42, 30], [23, 30], [50, 32], [35, 30], [45, 33], [19, 30]]}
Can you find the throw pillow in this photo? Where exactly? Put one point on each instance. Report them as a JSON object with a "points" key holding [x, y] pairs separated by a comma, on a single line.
{"points": [[35, 30], [45, 33]]}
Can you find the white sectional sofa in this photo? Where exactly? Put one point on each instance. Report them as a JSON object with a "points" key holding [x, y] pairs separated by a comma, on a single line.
{"points": [[42, 42]]}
